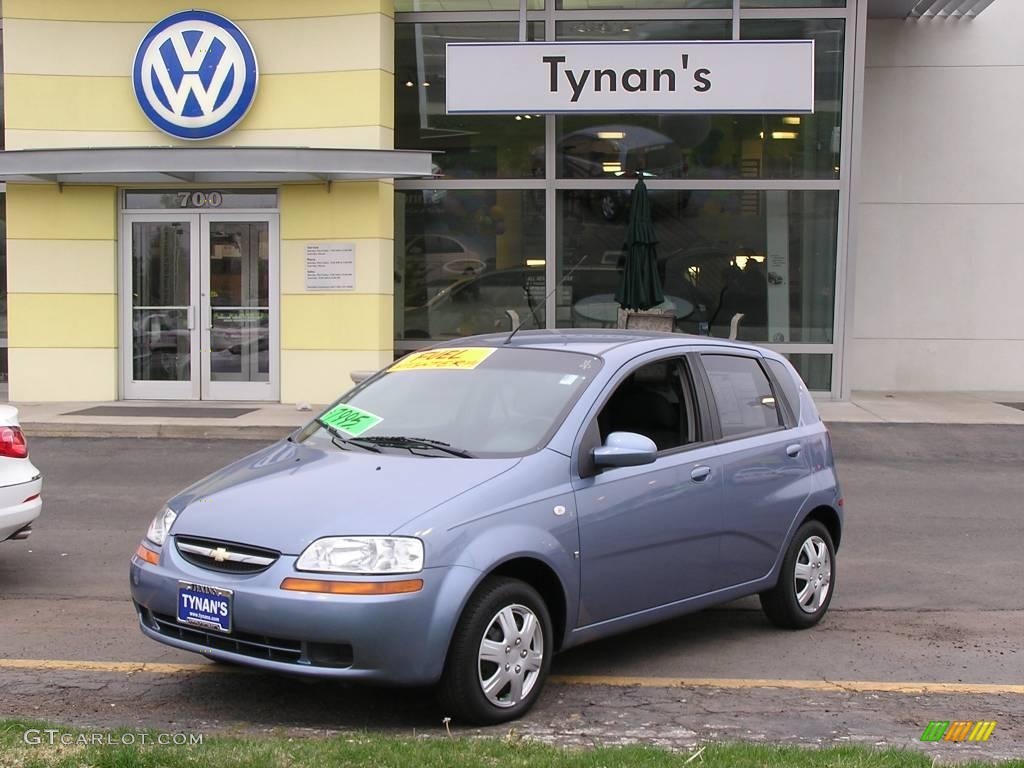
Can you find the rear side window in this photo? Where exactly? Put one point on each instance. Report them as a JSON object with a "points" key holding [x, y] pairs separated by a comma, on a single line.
{"points": [[746, 404], [789, 387]]}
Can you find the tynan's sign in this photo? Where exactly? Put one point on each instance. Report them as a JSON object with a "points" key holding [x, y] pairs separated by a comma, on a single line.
{"points": [[195, 75], [730, 76]]}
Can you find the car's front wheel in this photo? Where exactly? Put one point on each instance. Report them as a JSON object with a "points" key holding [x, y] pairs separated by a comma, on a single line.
{"points": [[806, 581], [500, 654]]}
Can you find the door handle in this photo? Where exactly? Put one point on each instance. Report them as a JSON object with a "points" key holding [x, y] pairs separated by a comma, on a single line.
{"points": [[793, 450], [699, 474], [190, 318]]}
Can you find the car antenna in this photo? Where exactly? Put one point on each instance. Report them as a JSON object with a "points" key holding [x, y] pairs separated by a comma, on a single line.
{"points": [[548, 296]]}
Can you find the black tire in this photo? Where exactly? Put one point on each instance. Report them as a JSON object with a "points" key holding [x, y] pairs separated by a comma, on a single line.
{"points": [[461, 693], [780, 603]]}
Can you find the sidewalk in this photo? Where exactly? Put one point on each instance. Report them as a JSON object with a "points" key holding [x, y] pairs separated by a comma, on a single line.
{"points": [[270, 421]]}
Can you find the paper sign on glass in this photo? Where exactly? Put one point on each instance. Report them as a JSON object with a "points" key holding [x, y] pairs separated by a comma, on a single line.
{"points": [[457, 358], [350, 419]]}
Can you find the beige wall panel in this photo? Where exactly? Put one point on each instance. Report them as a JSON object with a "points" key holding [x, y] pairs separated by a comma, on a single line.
{"points": [[311, 100], [62, 266], [355, 137], [55, 375], [60, 320], [965, 274], [45, 212], [355, 209], [332, 44], [936, 365], [375, 261], [320, 377], [154, 10], [358, 321]]}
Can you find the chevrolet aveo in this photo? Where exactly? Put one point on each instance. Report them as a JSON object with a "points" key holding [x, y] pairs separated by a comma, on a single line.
{"points": [[473, 509]]}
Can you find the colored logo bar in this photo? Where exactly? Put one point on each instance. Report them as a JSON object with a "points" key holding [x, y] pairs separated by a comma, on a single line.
{"points": [[958, 730]]}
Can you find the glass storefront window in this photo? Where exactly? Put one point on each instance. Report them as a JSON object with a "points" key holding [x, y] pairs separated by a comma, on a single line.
{"points": [[464, 259], [815, 370], [634, 5], [419, 6], [792, 3], [710, 146], [467, 146], [769, 255]]}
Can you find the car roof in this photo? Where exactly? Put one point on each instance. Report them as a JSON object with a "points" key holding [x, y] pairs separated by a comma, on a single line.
{"points": [[597, 342]]}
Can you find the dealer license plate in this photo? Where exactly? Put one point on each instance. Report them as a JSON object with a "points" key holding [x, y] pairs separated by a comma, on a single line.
{"points": [[203, 606]]}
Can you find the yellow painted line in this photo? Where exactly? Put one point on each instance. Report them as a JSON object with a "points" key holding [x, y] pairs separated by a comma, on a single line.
{"points": [[742, 683], [108, 666], [734, 683]]}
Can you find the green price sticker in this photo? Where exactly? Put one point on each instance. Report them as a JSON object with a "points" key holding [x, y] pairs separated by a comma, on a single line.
{"points": [[350, 419]]}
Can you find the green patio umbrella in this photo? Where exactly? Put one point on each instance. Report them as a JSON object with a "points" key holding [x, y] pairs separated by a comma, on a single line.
{"points": [[640, 286]]}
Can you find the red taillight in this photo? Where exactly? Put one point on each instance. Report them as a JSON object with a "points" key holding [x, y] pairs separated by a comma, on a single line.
{"points": [[12, 443]]}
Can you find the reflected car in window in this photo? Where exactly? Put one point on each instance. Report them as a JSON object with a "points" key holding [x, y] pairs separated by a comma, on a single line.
{"points": [[464, 514]]}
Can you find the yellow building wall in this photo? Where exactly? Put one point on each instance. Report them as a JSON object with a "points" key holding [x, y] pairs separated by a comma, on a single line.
{"points": [[326, 80], [327, 335], [326, 73], [61, 292]]}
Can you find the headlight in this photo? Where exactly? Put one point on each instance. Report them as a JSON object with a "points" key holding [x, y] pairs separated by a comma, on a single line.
{"points": [[161, 526], [363, 554]]}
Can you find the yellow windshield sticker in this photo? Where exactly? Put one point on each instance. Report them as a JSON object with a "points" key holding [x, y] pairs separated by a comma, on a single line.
{"points": [[463, 359]]}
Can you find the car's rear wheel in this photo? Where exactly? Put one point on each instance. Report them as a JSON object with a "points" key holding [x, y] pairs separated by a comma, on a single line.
{"points": [[806, 581], [500, 654]]}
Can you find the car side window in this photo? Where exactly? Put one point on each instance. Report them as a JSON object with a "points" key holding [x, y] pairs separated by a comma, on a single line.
{"points": [[656, 401], [744, 398], [789, 387]]}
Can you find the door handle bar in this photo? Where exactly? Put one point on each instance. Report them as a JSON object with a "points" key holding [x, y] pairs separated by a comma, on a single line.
{"points": [[700, 474]]}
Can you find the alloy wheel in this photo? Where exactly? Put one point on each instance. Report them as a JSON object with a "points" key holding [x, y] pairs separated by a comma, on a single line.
{"points": [[812, 574], [511, 656]]}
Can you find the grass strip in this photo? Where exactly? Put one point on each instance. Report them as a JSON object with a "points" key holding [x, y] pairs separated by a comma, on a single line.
{"points": [[358, 750]]}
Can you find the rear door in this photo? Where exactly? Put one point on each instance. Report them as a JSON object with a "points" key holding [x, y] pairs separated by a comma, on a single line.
{"points": [[647, 533], [766, 473]]}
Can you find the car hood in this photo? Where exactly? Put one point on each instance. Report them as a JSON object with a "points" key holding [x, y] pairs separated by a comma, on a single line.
{"points": [[288, 495]]}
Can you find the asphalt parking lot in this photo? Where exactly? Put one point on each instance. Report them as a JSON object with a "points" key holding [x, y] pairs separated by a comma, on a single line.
{"points": [[926, 623]]}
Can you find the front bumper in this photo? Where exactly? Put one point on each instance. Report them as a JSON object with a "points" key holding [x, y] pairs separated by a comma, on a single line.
{"points": [[397, 639]]}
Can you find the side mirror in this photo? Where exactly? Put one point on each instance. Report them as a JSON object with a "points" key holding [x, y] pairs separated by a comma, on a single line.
{"points": [[625, 449]]}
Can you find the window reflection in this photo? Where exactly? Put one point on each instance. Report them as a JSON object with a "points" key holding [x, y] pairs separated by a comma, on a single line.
{"points": [[711, 146], [469, 259], [467, 146], [768, 255]]}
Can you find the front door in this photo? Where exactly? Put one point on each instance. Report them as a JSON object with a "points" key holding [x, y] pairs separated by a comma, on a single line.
{"points": [[647, 533], [199, 308]]}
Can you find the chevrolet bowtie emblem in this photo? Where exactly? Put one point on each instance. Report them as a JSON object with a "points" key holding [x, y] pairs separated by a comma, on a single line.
{"points": [[220, 554]]}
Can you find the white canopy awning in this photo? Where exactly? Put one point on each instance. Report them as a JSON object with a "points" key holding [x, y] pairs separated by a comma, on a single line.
{"points": [[926, 9], [209, 165]]}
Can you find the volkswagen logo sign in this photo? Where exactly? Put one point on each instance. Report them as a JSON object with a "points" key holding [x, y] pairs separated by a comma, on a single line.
{"points": [[195, 75]]}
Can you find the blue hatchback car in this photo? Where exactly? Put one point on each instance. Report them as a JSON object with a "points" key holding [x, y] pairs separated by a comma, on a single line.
{"points": [[468, 512]]}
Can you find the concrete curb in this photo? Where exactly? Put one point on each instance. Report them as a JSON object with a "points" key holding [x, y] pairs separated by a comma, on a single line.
{"points": [[185, 431]]}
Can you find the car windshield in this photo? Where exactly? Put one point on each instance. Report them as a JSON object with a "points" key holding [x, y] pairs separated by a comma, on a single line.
{"points": [[484, 402]]}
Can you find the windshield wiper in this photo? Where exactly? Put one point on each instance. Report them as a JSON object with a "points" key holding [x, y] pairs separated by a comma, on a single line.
{"points": [[340, 440], [401, 441]]}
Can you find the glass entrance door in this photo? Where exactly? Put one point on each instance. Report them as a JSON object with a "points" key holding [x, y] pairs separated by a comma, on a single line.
{"points": [[199, 306], [239, 338]]}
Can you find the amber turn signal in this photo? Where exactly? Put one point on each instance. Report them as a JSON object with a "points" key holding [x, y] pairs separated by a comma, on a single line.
{"points": [[353, 587], [144, 553]]}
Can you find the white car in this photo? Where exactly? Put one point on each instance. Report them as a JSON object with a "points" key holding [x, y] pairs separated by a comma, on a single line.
{"points": [[20, 482]]}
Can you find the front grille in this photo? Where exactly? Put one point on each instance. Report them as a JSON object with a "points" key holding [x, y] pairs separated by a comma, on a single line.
{"points": [[256, 646], [224, 556], [333, 655]]}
